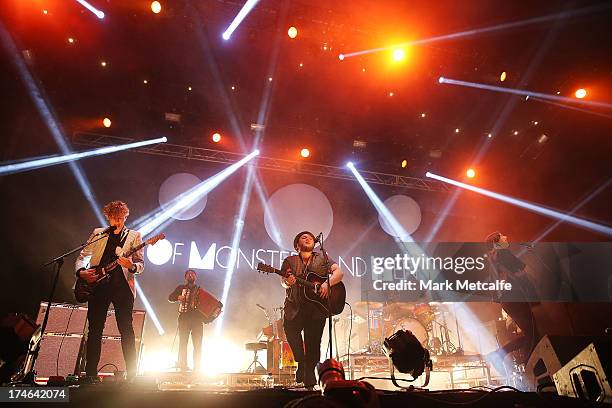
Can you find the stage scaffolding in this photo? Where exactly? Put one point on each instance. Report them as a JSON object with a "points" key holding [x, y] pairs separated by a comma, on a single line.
{"points": [[262, 162]]}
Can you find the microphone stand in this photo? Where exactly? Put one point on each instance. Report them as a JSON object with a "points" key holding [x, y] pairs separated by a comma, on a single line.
{"points": [[329, 292], [28, 375]]}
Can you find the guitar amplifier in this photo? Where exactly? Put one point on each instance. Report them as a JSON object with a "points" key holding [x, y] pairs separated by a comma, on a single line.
{"points": [[63, 318], [58, 355], [111, 355], [138, 321]]}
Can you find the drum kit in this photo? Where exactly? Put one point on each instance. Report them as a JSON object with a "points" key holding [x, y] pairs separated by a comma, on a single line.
{"points": [[427, 321]]}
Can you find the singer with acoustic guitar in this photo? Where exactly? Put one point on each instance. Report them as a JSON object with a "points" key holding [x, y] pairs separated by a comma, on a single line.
{"points": [[302, 314]]}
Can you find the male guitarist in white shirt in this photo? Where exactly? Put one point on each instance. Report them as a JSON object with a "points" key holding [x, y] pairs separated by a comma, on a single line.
{"points": [[119, 291], [300, 314]]}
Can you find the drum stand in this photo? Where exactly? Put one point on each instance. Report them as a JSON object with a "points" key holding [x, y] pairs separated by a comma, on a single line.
{"points": [[447, 346]]}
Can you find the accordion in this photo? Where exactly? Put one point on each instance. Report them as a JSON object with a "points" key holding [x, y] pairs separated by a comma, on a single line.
{"points": [[201, 301]]}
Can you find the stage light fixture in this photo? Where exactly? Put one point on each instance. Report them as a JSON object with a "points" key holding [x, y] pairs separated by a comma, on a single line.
{"points": [[490, 135], [301, 65], [145, 82], [103, 64], [407, 354], [189, 88], [456, 130], [404, 163], [233, 88], [45, 12], [305, 153], [70, 40], [470, 173], [292, 32], [502, 77], [580, 93], [341, 57], [363, 70], [216, 137], [269, 79], [106, 122], [399, 54], [155, 7], [423, 114], [391, 94], [515, 132]]}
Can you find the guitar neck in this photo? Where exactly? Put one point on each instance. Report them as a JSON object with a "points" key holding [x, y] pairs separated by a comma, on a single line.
{"points": [[113, 264]]}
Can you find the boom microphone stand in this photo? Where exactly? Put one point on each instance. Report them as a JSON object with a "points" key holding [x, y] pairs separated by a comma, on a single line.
{"points": [[329, 292], [27, 377]]}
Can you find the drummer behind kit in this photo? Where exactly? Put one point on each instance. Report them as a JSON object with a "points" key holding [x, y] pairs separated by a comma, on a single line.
{"points": [[425, 320]]}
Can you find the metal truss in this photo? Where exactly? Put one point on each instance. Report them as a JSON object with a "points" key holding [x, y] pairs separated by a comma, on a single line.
{"points": [[262, 162]]}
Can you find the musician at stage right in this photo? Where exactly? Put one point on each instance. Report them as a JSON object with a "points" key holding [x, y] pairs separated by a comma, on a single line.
{"points": [[301, 314], [190, 321]]}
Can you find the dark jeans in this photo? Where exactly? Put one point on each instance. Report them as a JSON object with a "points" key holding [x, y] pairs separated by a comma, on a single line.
{"points": [[190, 323], [307, 352], [119, 294]]}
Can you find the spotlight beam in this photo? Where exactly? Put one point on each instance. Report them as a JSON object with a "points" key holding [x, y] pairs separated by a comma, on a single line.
{"points": [[398, 231], [48, 116], [528, 206], [575, 108], [503, 115], [484, 30], [248, 6], [98, 13], [187, 199], [252, 177], [524, 92], [54, 160], [578, 206]]}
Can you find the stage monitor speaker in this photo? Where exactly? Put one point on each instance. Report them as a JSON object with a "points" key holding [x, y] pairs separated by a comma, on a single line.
{"points": [[58, 355], [549, 355], [138, 321], [111, 355], [63, 318], [588, 375]]}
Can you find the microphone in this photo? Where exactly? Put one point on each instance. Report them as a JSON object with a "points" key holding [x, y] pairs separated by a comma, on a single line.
{"points": [[529, 245], [260, 306], [318, 238], [106, 230]]}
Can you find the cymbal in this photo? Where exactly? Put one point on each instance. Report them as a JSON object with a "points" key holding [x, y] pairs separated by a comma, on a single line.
{"points": [[368, 305]]}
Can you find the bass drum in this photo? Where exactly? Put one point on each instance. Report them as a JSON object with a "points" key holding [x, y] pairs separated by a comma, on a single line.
{"points": [[416, 327]]}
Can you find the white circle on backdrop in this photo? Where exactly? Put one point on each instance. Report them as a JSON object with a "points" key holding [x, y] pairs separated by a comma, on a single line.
{"points": [[405, 210], [160, 253], [176, 185], [295, 208]]}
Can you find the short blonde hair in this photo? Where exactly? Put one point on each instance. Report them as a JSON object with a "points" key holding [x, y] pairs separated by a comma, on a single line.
{"points": [[116, 209]]}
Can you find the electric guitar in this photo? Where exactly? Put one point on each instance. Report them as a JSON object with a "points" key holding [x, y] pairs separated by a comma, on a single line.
{"points": [[84, 290], [311, 286]]}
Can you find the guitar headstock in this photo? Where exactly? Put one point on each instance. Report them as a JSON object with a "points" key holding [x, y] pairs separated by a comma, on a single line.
{"points": [[153, 240]]}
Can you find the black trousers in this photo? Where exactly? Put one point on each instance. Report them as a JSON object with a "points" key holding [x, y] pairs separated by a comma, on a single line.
{"points": [[306, 351], [119, 294], [190, 323]]}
